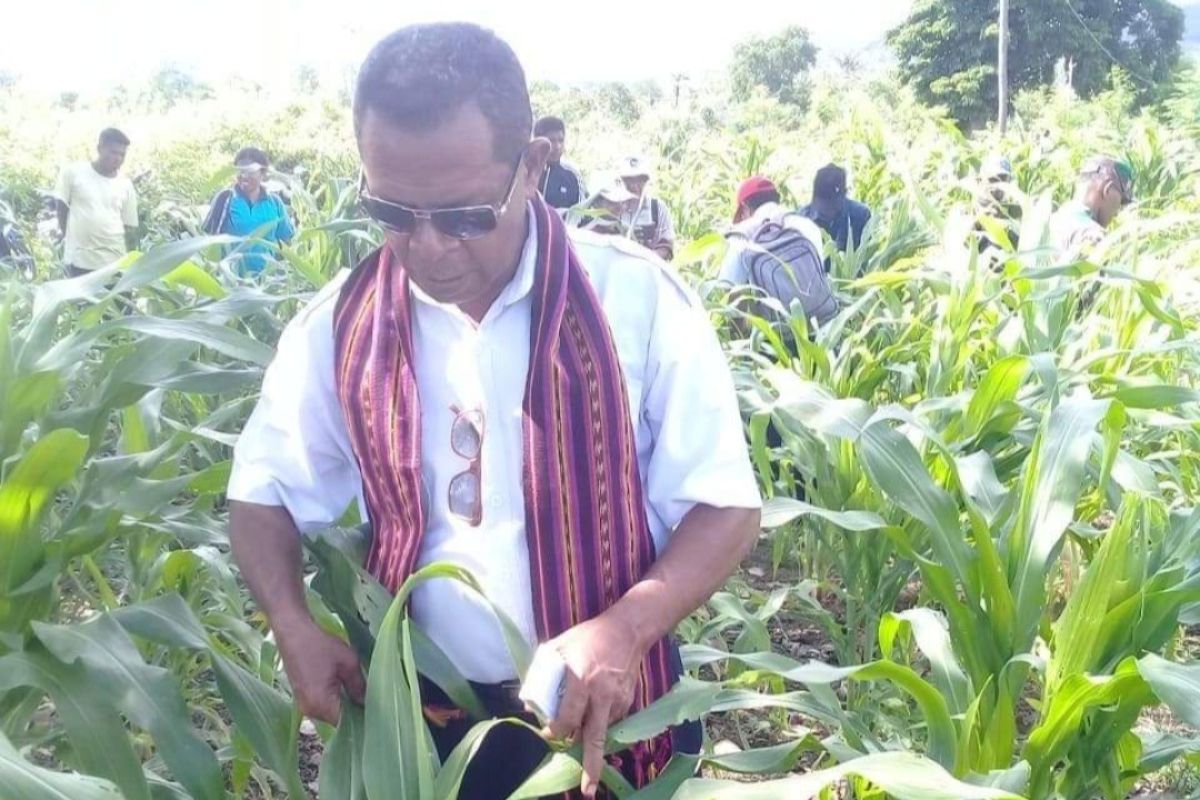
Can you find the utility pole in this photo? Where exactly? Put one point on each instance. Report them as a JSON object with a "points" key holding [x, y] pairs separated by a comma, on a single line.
{"points": [[1002, 66]]}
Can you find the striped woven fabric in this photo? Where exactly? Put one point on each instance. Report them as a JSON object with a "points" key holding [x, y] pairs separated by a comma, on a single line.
{"points": [[589, 540]]}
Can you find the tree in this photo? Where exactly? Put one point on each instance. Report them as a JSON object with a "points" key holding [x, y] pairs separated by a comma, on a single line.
{"points": [[946, 49], [779, 63], [307, 80], [172, 85], [619, 102]]}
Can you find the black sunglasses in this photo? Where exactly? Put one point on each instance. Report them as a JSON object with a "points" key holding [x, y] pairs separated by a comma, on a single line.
{"points": [[464, 223]]}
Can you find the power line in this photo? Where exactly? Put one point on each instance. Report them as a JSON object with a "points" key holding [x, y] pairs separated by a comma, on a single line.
{"points": [[1104, 49]]}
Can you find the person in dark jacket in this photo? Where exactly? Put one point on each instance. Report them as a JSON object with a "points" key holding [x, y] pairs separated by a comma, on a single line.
{"points": [[562, 185], [835, 213]]}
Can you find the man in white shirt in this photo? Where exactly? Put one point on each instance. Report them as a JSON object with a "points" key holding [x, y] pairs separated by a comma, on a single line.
{"points": [[555, 415], [647, 218], [97, 207]]}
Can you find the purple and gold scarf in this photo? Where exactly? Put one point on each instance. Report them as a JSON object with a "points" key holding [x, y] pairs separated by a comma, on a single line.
{"points": [[585, 518]]}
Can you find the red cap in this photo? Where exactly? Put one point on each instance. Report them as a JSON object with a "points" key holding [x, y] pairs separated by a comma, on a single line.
{"points": [[754, 186]]}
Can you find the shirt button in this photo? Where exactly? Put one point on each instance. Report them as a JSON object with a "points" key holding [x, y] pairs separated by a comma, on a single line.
{"points": [[494, 500]]}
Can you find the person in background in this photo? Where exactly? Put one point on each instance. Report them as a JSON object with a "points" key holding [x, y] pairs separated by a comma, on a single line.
{"points": [[561, 185], [998, 199], [777, 252], [97, 208], [249, 209], [603, 211], [1105, 186], [648, 219], [835, 213]]}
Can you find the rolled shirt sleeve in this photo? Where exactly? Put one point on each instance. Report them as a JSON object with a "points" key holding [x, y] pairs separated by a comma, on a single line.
{"points": [[295, 451], [699, 454]]}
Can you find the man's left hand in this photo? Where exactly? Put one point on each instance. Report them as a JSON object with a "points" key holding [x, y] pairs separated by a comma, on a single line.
{"points": [[603, 656]]}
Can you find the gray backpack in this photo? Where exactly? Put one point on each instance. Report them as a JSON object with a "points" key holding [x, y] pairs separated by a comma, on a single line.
{"points": [[785, 265]]}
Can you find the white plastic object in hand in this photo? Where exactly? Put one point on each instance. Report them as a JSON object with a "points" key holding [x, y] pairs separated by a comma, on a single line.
{"points": [[545, 682]]}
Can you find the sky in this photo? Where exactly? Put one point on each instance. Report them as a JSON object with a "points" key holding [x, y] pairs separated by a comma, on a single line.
{"points": [[109, 42]]}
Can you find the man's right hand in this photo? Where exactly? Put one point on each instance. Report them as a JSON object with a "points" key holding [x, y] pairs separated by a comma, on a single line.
{"points": [[320, 667], [266, 546]]}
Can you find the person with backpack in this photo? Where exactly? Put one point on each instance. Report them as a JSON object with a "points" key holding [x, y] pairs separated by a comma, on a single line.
{"points": [[249, 209], [648, 220], [777, 253]]}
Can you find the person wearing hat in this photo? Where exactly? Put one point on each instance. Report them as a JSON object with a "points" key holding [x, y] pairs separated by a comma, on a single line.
{"points": [[777, 252], [249, 209], [1105, 186], [604, 209], [648, 219], [835, 213]]}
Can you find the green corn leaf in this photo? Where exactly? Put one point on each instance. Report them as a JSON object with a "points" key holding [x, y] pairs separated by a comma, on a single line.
{"points": [[22, 780], [149, 696]]}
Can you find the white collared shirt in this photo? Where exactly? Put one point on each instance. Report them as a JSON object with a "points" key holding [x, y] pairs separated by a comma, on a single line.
{"points": [[295, 451]]}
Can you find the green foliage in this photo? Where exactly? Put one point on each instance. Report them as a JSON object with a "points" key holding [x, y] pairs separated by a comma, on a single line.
{"points": [[779, 63], [947, 50]]}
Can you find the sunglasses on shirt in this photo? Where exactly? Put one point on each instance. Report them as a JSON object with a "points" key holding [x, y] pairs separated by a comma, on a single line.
{"points": [[463, 222]]}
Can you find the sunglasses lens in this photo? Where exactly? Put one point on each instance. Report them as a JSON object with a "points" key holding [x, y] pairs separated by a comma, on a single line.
{"points": [[466, 223], [464, 495], [400, 220], [464, 435]]}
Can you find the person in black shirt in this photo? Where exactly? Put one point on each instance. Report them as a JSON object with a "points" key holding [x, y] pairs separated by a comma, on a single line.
{"points": [[561, 185]]}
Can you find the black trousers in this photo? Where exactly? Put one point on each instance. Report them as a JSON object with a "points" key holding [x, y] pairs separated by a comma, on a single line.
{"points": [[509, 754]]}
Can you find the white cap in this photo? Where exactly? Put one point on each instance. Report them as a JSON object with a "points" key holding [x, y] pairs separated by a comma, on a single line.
{"points": [[634, 167], [616, 192]]}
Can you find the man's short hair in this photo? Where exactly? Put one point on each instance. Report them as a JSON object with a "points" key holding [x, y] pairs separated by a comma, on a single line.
{"points": [[113, 136], [251, 155], [420, 76], [830, 183], [756, 201], [548, 125]]}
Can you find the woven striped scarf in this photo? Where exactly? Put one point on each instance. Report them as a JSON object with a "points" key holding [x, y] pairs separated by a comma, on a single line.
{"points": [[585, 519]]}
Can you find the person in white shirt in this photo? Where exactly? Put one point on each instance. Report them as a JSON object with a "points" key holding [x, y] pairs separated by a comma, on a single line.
{"points": [[97, 208], [551, 412], [648, 219]]}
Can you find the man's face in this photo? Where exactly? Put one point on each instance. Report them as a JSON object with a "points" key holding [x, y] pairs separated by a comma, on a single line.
{"points": [[558, 145], [250, 178], [829, 209], [636, 184], [451, 166], [111, 156], [1110, 202]]}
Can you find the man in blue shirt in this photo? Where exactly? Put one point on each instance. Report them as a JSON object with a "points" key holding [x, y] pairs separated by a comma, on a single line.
{"points": [[834, 213], [248, 209]]}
